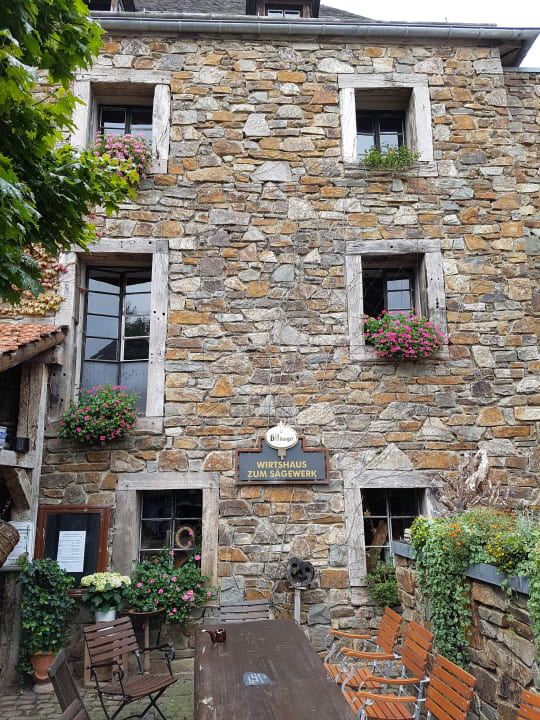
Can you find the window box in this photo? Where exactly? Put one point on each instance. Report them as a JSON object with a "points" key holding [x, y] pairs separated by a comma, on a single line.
{"points": [[476, 571]]}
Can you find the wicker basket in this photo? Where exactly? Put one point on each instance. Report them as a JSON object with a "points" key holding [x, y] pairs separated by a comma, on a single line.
{"points": [[9, 537]]}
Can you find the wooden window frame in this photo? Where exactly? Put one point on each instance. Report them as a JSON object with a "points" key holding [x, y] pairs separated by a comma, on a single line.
{"points": [[429, 288], [103, 510], [120, 252], [121, 87], [418, 130], [128, 109], [376, 117], [128, 497]]}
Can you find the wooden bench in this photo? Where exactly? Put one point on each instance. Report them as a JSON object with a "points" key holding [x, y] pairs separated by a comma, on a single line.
{"points": [[245, 611], [530, 706]]}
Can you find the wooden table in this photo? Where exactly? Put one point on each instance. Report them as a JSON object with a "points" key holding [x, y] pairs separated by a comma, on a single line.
{"points": [[301, 688]]}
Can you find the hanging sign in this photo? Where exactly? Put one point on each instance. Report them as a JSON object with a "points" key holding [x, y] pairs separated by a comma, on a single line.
{"points": [[278, 466]]}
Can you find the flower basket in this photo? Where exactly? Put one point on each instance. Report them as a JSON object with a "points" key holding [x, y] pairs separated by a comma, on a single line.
{"points": [[131, 154], [402, 336], [102, 414], [9, 537], [105, 591]]}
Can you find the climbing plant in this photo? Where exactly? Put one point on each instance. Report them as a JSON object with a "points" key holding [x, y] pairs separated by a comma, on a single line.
{"points": [[443, 547]]}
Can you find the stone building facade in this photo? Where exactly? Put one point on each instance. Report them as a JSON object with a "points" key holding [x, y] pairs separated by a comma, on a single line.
{"points": [[259, 227]]}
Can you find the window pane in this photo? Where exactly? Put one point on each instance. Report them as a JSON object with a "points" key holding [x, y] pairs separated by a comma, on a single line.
{"points": [[292, 13], [376, 531], [374, 502], [134, 376], [98, 349], [364, 142], [404, 502], [141, 122], [102, 304], [155, 533], [97, 373], [401, 284], [104, 281], [275, 13], [399, 526], [136, 349], [399, 301], [138, 304], [183, 537], [157, 505], [102, 326], [389, 124], [138, 282], [113, 120], [137, 326], [188, 504], [391, 139]]}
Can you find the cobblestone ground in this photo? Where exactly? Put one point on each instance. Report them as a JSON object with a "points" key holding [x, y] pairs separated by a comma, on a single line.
{"points": [[176, 704]]}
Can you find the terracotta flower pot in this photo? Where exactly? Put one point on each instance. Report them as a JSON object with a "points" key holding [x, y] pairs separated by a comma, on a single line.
{"points": [[40, 662]]}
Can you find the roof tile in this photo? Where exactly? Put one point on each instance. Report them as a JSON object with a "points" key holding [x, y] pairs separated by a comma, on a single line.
{"points": [[14, 336]]}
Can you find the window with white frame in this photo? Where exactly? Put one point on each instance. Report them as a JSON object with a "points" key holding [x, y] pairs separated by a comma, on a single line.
{"points": [[121, 102], [117, 329], [122, 321], [385, 109], [395, 276], [276, 11]]}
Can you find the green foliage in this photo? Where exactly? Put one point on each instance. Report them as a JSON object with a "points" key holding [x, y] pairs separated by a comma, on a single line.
{"points": [[45, 608], [389, 157], [45, 190], [443, 547], [402, 336], [105, 590], [157, 584], [102, 414], [382, 585]]}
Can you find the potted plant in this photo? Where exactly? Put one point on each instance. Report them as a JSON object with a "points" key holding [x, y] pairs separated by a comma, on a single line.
{"points": [[105, 593], [101, 414], [402, 336], [157, 585], [132, 154], [45, 609], [389, 157]]}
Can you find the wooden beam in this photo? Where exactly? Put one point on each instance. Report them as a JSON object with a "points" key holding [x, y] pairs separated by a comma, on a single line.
{"points": [[27, 352]]}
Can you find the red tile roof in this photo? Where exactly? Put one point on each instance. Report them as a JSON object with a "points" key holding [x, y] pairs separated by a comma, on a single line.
{"points": [[13, 337]]}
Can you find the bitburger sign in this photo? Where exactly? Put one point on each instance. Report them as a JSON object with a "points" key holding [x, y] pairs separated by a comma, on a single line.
{"points": [[282, 458]]}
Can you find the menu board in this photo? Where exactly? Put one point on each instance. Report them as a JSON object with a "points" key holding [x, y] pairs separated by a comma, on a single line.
{"points": [[70, 552]]}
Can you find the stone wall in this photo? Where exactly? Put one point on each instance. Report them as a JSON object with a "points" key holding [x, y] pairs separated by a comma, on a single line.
{"points": [[503, 655], [258, 210]]}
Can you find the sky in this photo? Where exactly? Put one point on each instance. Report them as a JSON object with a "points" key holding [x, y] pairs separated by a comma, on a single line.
{"points": [[504, 13]]}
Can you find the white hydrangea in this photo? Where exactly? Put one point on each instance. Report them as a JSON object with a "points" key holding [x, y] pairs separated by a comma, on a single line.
{"points": [[98, 581]]}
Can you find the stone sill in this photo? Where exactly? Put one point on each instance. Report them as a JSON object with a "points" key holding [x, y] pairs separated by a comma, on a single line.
{"points": [[365, 353], [357, 171], [476, 571]]}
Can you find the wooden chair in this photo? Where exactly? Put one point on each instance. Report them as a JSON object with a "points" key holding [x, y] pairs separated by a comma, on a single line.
{"points": [[75, 711], [244, 611], [530, 706], [66, 691], [414, 658], [448, 697], [106, 643], [384, 642]]}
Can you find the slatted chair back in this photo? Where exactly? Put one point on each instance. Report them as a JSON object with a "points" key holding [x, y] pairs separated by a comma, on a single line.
{"points": [[450, 691], [416, 648], [75, 711], [388, 630], [244, 611], [530, 706], [65, 688], [108, 641]]}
